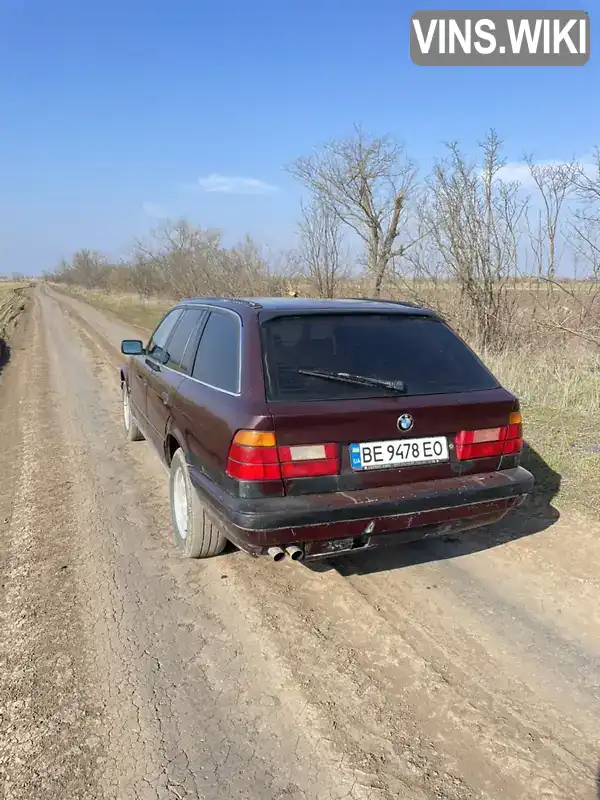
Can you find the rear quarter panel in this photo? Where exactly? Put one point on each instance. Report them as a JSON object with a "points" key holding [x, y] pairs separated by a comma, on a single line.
{"points": [[206, 419]]}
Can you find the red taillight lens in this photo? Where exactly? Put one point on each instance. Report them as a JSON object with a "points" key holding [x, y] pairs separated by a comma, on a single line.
{"points": [[512, 446], [254, 456], [465, 452], [513, 441], [253, 472], [490, 442]]}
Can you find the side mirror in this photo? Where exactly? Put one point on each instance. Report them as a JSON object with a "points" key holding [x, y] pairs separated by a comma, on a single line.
{"points": [[132, 347]]}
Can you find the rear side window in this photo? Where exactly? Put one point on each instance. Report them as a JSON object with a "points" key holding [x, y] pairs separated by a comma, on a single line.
{"points": [[178, 342], [218, 358], [423, 353], [187, 362]]}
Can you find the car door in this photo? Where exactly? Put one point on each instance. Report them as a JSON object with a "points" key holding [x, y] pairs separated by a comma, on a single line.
{"points": [[150, 364], [206, 403], [137, 382], [166, 376]]}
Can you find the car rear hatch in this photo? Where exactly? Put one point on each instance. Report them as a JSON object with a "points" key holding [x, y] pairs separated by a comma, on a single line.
{"points": [[443, 414]]}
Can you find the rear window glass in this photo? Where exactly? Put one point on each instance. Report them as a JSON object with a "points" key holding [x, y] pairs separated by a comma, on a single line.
{"points": [[423, 353]]}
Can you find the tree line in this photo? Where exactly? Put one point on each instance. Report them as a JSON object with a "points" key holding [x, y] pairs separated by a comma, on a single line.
{"points": [[466, 238]]}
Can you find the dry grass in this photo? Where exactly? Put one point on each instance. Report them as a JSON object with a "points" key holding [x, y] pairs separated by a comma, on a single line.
{"points": [[12, 303], [557, 381], [559, 390], [130, 308]]}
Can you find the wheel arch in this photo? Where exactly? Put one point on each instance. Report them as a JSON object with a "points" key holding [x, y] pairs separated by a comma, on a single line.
{"points": [[173, 441]]}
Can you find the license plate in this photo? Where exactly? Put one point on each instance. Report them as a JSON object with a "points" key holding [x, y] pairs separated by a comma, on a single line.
{"points": [[398, 452]]}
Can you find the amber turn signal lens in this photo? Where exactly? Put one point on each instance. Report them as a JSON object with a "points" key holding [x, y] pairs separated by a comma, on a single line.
{"points": [[255, 438]]}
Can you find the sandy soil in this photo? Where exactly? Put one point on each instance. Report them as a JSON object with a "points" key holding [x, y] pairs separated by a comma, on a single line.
{"points": [[455, 669]]}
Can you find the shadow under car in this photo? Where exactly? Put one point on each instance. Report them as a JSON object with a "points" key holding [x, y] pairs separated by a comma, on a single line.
{"points": [[535, 515]]}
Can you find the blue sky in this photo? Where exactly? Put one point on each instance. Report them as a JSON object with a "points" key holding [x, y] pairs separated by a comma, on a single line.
{"points": [[113, 112]]}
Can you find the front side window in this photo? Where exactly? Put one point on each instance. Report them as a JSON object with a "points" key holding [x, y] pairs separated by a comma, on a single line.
{"points": [[218, 357], [156, 345], [181, 335]]}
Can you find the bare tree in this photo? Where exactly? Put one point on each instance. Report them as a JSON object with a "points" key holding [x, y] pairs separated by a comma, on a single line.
{"points": [[586, 219], [320, 253], [474, 218], [185, 260], [555, 182], [90, 269], [245, 268], [588, 185], [366, 183], [179, 257], [571, 212], [579, 314]]}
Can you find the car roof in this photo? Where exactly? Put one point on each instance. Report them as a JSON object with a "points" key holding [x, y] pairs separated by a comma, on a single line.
{"points": [[302, 305]]}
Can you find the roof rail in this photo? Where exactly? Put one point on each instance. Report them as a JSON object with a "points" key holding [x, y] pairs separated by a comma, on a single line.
{"points": [[407, 303], [242, 300], [245, 300]]}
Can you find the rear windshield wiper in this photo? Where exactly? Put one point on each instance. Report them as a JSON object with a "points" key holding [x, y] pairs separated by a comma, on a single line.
{"points": [[361, 380]]}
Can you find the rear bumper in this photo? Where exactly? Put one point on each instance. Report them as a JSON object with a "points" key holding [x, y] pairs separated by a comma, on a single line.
{"points": [[454, 503]]}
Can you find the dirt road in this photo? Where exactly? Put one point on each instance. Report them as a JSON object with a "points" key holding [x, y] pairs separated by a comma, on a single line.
{"points": [[451, 669]]}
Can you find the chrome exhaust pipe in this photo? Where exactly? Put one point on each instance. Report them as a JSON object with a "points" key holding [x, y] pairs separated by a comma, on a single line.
{"points": [[276, 553], [295, 553]]}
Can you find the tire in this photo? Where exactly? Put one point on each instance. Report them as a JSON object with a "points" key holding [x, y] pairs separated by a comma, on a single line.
{"points": [[194, 533], [134, 434]]}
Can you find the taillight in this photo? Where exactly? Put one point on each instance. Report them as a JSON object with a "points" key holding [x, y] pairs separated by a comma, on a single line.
{"points": [[310, 460], [490, 442], [255, 456]]}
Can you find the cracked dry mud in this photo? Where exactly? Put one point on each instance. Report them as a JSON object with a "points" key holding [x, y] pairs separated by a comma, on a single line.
{"points": [[456, 670]]}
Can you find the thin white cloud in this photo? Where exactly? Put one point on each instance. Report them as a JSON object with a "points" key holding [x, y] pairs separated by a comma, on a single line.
{"points": [[155, 211], [231, 184], [520, 171]]}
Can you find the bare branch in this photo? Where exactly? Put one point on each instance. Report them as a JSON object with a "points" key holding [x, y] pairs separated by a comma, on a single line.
{"points": [[320, 254], [366, 183]]}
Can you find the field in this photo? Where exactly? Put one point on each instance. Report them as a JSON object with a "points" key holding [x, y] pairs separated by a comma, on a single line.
{"points": [[143, 313], [12, 302], [557, 379]]}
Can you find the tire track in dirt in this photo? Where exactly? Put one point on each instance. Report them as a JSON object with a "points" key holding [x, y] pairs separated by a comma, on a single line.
{"points": [[49, 721]]}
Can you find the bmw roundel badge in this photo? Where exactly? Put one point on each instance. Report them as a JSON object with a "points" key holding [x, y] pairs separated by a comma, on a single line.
{"points": [[405, 422]]}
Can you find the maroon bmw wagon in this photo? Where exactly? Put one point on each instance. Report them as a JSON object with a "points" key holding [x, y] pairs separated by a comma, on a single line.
{"points": [[318, 427]]}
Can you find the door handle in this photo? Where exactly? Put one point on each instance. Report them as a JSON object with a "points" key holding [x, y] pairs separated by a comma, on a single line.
{"points": [[164, 397]]}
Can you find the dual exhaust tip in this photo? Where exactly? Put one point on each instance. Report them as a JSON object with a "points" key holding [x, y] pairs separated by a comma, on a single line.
{"points": [[278, 554]]}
